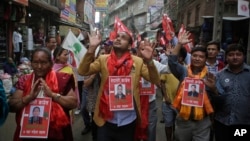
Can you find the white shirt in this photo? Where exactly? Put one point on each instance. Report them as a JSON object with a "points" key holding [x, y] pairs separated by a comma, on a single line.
{"points": [[16, 39], [161, 68]]}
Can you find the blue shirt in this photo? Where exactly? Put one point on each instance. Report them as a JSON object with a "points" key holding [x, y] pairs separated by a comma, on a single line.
{"points": [[178, 70], [232, 106], [122, 118]]}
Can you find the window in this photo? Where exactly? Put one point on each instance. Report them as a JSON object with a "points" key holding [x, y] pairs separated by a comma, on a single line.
{"points": [[197, 14], [182, 19], [188, 18]]}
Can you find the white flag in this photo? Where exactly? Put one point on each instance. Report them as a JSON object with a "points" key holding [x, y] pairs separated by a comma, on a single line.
{"points": [[75, 46], [243, 8], [80, 37]]}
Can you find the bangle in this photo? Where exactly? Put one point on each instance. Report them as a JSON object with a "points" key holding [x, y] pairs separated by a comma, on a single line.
{"points": [[22, 99], [150, 62], [57, 96]]}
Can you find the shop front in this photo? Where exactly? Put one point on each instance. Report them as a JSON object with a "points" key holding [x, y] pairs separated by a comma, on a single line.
{"points": [[234, 30], [12, 18]]}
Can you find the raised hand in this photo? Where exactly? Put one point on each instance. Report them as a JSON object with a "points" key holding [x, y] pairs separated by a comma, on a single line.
{"points": [[95, 39], [183, 38], [210, 81], [146, 50]]}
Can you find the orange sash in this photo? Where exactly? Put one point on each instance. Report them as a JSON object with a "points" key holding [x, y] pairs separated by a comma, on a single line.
{"points": [[198, 112]]}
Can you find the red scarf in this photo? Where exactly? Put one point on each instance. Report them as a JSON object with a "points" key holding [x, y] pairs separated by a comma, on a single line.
{"points": [[116, 67], [58, 118], [142, 128]]}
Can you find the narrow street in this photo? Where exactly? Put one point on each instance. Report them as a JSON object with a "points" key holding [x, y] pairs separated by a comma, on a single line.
{"points": [[7, 130]]}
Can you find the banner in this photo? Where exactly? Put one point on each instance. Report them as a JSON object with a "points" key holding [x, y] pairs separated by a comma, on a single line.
{"points": [[75, 46], [243, 8]]}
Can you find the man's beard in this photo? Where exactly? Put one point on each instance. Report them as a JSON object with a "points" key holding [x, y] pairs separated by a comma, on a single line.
{"points": [[118, 49]]}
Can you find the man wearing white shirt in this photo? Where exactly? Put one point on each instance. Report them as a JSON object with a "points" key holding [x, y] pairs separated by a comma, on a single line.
{"points": [[17, 44]]}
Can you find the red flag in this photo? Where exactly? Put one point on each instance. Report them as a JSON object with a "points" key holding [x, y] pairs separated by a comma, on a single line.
{"points": [[119, 27], [72, 60], [167, 26], [182, 30], [162, 41], [138, 37], [188, 46], [112, 35]]}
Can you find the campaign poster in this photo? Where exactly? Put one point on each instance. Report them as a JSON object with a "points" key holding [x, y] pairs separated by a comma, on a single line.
{"points": [[193, 94], [146, 87], [120, 93], [35, 119]]}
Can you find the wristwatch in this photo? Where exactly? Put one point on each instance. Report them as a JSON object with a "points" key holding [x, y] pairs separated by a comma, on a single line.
{"points": [[58, 96]]}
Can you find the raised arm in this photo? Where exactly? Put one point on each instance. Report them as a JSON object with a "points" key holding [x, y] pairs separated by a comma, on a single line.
{"points": [[183, 39], [146, 50], [85, 67]]}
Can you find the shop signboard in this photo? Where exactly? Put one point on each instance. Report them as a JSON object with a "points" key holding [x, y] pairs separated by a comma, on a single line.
{"points": [[101, 5], [69, 12]]}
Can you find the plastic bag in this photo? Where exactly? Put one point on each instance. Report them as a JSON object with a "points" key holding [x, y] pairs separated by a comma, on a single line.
{"points": [[7, 82]]}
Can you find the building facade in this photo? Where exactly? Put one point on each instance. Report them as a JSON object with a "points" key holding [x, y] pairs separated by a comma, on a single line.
{"points": [[137, 15]]}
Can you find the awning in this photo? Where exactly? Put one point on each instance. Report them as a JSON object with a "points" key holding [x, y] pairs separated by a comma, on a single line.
{"points": [[22, 2], [83, 27], [46, 6], [238, 18]]}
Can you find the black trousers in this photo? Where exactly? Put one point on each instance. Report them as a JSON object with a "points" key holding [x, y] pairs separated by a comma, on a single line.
{"points": [[18, 54], [111, 132]]}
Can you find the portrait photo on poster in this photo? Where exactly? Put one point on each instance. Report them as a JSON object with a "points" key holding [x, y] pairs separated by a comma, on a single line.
{"points": [[36, 114], [145, 84], [120, 91], [193, 90]]}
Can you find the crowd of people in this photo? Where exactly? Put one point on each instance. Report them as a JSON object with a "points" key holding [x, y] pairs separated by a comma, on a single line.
{"points": [[215, 104]]}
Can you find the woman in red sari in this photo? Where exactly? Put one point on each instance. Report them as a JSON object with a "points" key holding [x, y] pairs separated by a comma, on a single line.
{"points": [[61, 57], [58, 86]]}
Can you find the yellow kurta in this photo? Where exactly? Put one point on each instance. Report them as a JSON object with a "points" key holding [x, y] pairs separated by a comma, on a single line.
{"points": [[171, 84]]}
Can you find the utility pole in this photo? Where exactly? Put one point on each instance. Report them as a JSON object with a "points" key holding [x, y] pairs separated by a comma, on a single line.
{"points": [[218, 15]]}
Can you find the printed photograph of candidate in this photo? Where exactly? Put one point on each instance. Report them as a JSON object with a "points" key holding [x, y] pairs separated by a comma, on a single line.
{"points": [[36, 113]]}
